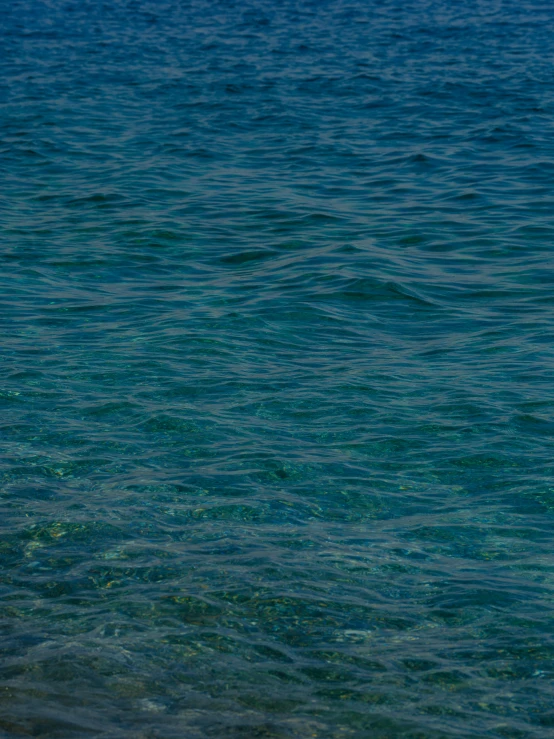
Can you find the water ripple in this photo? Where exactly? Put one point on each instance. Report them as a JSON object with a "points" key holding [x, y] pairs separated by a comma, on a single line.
{"points": [[277, 418]]}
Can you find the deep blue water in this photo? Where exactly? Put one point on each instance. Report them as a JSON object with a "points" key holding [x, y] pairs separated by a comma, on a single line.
{"points": [[277, 385]]}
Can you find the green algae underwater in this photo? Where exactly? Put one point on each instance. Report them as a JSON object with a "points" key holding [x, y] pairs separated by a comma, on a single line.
{"points": [[277, 405]]}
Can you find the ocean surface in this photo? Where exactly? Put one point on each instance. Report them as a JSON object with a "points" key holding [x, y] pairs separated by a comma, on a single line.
{"points": [[277, 369]]}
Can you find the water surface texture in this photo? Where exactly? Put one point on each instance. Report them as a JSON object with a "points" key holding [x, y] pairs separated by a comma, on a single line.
{"points": [[277, 386]]}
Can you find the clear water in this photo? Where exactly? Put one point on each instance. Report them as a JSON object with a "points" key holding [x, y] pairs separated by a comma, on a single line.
{"points": [[277, 406]]}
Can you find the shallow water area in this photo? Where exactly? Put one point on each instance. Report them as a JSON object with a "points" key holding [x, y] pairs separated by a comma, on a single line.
{"points": [[277, 405]]}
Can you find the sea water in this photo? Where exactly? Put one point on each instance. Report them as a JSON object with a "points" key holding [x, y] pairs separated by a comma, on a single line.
{"points": [[277, 386]]}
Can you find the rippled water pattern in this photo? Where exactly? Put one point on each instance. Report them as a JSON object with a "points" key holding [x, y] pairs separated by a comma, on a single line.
{"points": [[277, 388]]}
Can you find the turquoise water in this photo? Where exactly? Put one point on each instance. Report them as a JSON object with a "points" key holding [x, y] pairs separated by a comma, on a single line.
{"points": [[277, 388]]}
